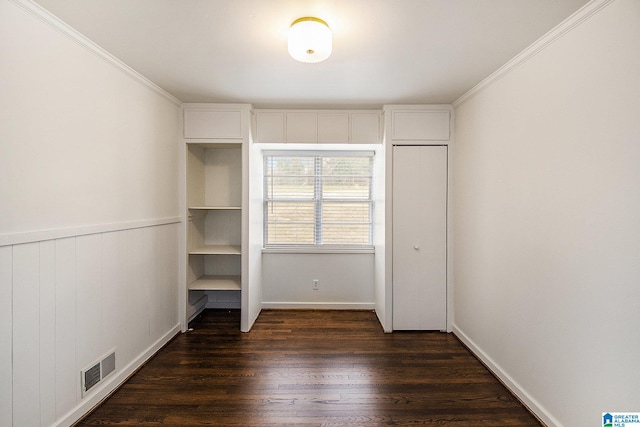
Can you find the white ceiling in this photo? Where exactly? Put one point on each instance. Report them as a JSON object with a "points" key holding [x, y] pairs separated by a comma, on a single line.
{"points": [[384, 51]]}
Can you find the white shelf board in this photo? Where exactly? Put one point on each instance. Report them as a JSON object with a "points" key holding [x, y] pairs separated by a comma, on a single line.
{"points": [[216, 208], [216, 283], [216, 250], [224, 144]]}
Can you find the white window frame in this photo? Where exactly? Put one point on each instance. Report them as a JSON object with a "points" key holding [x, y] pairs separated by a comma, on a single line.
{"points": [[319, 247]]}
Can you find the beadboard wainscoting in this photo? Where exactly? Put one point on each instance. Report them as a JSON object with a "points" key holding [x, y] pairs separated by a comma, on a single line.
{"points": [[66, 302]]}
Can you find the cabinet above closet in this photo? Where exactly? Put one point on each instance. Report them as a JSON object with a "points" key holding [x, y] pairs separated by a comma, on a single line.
{"points": [[201, 122], [418, 124]]}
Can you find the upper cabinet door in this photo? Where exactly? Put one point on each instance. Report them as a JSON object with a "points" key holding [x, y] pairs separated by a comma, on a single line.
{"points": [[333, 128], [320, 126], [270, 127], [302, 127], [365, 128], [212, 124], [420, 125]]}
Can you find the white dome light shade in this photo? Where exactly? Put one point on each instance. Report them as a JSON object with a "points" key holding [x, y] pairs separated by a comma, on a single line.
{"points": [[309, 40]]}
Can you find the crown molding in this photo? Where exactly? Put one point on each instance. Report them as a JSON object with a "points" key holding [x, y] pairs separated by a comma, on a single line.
{"points": [[60, 26], [573, 21]]}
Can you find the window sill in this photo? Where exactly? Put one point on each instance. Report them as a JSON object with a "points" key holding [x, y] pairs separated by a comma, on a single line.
{"points": [[319, 250]]}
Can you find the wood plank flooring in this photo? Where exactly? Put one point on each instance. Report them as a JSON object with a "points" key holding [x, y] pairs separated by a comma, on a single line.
{"points": [[310, 368]]}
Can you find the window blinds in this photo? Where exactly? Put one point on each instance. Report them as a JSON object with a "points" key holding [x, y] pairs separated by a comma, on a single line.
{"points": [[318, 198]]}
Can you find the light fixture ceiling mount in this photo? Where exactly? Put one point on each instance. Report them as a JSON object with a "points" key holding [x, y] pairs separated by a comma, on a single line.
{"points": [[309, 40]]}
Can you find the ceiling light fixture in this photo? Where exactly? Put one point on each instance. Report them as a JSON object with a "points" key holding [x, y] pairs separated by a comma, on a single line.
{"points": [[309, 40]]}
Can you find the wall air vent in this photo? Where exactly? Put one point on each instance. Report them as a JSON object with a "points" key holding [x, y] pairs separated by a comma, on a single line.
{"points": [[96, 372], [90, 378]]}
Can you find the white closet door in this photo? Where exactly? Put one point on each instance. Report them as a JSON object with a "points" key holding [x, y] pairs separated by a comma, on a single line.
{"points": [[419, 237]]}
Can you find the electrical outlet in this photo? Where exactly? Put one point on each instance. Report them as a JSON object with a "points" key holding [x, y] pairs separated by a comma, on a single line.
{"points": [[316, 284]]}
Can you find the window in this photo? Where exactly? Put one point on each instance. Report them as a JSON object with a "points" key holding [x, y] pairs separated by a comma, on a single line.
{"points": [[318, 199]]}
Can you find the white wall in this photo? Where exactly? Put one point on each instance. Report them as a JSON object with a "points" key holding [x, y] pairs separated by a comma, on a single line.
{"points": [[88, 218], [547, 211], [346, 281], [66, 114]]}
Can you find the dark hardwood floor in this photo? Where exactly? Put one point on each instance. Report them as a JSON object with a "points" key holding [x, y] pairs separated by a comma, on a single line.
{"points": [[310, 368]]}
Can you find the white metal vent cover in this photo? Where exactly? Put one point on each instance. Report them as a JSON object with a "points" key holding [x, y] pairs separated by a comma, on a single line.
{"points": [[108, 364], [97, 371]]}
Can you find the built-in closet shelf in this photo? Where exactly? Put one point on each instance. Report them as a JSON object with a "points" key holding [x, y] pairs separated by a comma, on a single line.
{"points": [[213, 145], [216, 250], [215, 208], [216, 283]]}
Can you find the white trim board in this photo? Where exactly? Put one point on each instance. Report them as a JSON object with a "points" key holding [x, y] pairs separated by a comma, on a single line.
{"points": [[60, 233], [319, 305], [542, 43], [56, 23], [507, 380]]}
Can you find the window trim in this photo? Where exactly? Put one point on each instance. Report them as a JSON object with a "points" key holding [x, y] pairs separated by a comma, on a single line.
{"points": [[319, 249]]}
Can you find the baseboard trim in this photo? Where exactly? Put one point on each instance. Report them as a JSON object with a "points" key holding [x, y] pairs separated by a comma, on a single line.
{"points": [[112, 384], [320, 305], [529, 401]]}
